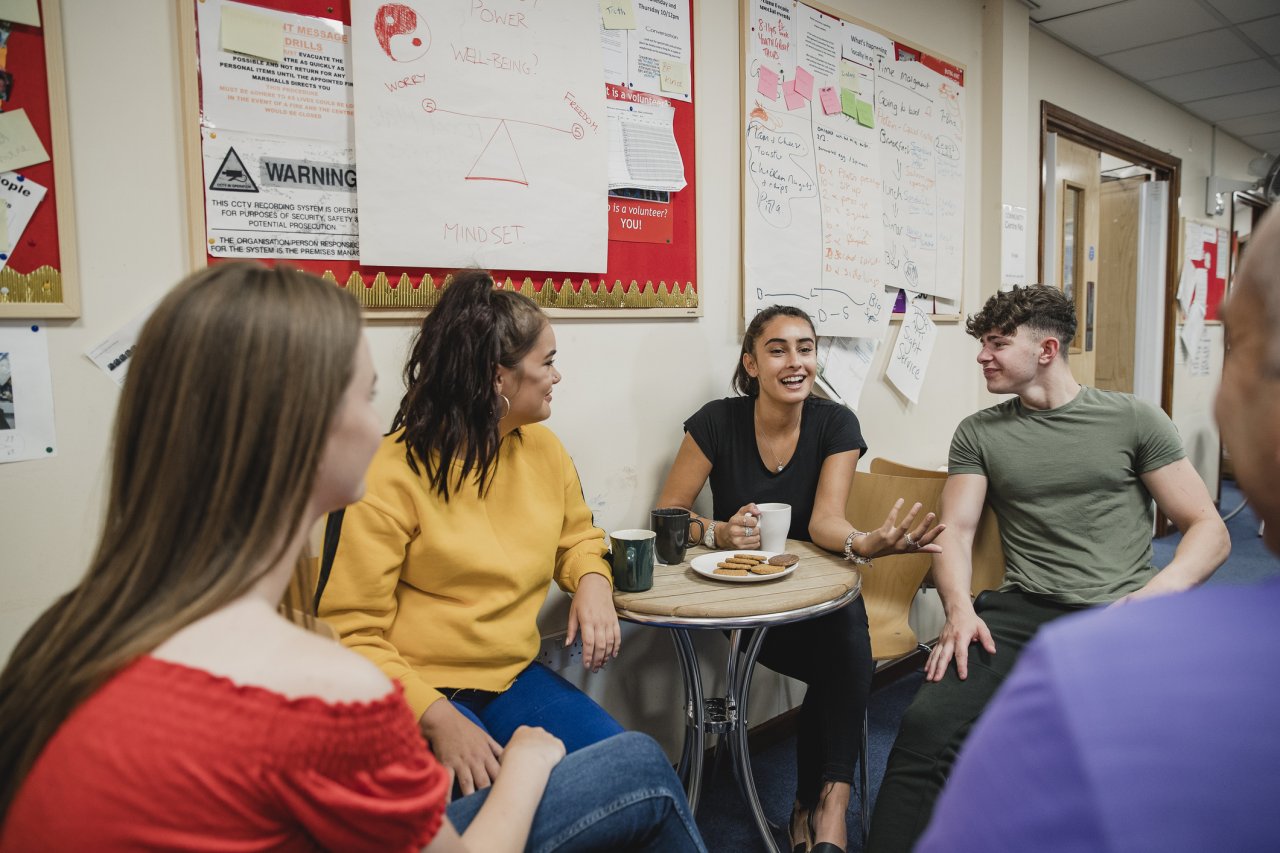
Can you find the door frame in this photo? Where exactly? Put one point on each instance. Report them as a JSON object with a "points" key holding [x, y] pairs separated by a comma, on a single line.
{"points": [[1068, 125], [1077, 128]]}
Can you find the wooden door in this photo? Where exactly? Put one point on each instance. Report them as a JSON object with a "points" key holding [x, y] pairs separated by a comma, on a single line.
{"points": [[1078, 171], [1117, 283]]}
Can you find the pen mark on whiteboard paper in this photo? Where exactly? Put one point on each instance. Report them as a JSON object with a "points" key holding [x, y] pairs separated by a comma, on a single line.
{"points": [[401, 34], [499, 160], [774, 165]]}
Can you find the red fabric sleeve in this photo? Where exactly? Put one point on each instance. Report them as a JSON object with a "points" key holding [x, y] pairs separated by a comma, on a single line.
{"points": [[397, 806]]}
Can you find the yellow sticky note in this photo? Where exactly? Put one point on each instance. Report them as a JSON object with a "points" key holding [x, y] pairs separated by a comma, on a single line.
{"points": [[247, 31], [19, 145], [675, 77], [618, 14], [849, 76], [20, 12]]}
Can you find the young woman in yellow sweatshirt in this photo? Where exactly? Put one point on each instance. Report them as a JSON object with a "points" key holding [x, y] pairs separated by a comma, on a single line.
{"points": [[471, 508]]}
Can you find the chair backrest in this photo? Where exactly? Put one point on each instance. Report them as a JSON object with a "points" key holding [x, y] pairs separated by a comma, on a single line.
{"points": [[890, 585], [988, 553], [880, 465]]}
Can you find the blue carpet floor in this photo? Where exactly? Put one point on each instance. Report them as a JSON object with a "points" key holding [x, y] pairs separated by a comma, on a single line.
{"points": [[723, 817]]}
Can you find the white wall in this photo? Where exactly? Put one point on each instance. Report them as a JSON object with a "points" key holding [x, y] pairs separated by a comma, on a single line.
{"points": [[628, 384]]}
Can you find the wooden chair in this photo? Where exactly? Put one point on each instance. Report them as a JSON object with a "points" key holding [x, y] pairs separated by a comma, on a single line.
{"points": [[889, 586], [988, 553]]}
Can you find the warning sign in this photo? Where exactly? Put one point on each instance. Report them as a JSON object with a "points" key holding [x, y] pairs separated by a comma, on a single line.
{"points": [[302, 200], [232, 176]]}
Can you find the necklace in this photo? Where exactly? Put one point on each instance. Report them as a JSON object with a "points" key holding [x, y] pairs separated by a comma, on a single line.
{"points": [[777, 460]]}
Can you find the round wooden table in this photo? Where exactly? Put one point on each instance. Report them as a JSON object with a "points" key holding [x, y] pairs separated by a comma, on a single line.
{"points": [[683, 600]]}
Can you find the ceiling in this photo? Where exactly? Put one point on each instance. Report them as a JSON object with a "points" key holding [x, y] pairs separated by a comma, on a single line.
{"points": [[1217, 59]]}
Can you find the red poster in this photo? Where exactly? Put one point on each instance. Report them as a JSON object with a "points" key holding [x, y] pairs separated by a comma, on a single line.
{"points": [[639, 221]]}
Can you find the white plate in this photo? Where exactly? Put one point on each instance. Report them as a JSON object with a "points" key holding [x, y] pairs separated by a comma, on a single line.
{"points": [[706, 565]]}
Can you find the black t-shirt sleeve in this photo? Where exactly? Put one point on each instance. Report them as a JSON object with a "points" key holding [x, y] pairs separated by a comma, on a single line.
{"points": [[707, 428], [842, 431]]}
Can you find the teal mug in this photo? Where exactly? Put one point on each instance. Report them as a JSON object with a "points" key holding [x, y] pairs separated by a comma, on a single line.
{"points": [[632, 560]]}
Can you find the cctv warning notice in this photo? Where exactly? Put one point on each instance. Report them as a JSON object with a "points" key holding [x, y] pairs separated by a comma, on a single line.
{"points": [[270, 197]]}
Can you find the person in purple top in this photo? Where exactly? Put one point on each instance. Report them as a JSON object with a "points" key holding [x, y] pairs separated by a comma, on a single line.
{"points": [[1151, 726]]}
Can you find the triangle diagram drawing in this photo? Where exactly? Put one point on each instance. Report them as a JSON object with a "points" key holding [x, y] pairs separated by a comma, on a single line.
{"points": [[499, 160]]}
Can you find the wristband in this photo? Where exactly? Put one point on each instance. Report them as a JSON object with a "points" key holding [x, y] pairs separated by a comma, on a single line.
{"points": [[851, 555], [709, 536]]}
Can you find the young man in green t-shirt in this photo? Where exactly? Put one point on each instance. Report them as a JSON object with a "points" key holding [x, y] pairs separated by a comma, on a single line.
{"points": [[1070, 472]]}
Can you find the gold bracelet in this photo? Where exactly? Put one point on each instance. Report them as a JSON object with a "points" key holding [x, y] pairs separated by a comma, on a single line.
{"points": [[851, 555]]}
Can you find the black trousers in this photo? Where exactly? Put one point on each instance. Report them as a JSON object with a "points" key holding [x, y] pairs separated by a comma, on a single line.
{"points": [[936, 724], [832, 656]]}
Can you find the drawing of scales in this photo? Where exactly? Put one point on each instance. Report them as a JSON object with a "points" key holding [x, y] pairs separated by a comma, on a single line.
{"points": [[405, 37]]}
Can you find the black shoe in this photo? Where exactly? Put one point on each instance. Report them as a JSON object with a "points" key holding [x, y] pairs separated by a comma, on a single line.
{"points": [[805, 843]]}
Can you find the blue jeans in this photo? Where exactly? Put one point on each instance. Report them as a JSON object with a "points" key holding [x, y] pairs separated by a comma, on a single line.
{"points": [[620, 794], [538, 697]]}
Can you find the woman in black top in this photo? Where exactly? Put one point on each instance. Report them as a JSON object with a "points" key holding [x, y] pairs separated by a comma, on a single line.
{"points": [[775, 442]]}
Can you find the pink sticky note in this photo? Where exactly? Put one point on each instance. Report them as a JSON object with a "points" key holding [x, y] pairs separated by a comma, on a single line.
{"points": [[768, 85], [804, 84], [830, 100], [791, 96]]}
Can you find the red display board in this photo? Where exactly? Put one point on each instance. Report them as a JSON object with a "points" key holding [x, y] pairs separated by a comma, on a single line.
{"points": [[39, 276], [640, 275]]}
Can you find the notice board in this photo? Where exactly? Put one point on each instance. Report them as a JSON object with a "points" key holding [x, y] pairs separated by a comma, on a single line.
{"points": [[853, 180], [39, 277], [235, 161]]}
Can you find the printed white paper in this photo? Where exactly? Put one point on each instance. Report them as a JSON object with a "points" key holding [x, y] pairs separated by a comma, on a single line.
{"points": [[642, 146], [21, 197], [26, 394], [844, 363], [910, 357], [772, 34], [662, 33], [1013, 246], [308, 94], [272, 197], [1193, 328], [1199, 361], [114, 352]]}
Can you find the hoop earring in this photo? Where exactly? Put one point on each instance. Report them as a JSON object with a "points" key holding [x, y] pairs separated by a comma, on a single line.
{"points": [[508, 402]]}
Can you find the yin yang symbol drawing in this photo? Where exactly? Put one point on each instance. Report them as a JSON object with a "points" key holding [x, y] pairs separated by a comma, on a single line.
{"points": [[402, 33]]}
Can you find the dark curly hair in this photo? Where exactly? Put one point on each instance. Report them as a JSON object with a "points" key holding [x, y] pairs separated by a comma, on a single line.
{"points": [[1043, 309], [744, 383], [451, 409]]}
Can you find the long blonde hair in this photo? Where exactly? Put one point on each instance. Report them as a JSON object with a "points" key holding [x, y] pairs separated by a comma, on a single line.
{"points": [[230, 394]]}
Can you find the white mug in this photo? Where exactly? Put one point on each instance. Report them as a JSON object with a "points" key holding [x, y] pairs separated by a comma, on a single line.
{"points": [[775, 523]]}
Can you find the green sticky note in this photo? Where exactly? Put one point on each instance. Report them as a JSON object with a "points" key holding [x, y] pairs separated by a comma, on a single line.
{"points": [[849, 103], [866, 116]]}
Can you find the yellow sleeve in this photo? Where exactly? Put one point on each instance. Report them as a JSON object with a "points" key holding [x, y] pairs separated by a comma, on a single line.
{"points": [[582, 545], [360, 598]]}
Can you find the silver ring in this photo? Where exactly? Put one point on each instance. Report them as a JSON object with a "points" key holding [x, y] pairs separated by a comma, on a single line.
{"points": [[912, 544]]}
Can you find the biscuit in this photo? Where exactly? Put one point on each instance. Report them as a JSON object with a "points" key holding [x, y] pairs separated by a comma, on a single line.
{"points": [[731, 564], [755, 558], [733, 573], [767, 569], [783, 560]]}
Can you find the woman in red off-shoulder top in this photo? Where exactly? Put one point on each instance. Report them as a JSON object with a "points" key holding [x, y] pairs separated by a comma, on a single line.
{"points": [[165, 704]]}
